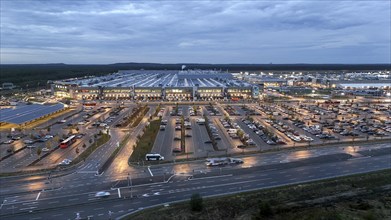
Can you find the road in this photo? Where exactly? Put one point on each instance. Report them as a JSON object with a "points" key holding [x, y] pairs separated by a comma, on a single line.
{"points": [[74, 193]]}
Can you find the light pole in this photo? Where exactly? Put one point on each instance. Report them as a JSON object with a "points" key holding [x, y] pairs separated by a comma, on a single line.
{"points": [[130, 185]]}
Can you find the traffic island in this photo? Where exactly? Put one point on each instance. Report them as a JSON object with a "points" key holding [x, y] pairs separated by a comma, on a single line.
{"points": [[144, 143]]}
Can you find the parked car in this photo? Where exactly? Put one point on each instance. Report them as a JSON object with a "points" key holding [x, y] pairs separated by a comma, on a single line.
{"points": [[176, 150], [8, 141]]}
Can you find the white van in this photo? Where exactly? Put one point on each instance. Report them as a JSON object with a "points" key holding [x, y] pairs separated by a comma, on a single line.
{"points": [[232, 131], [154, 157]]}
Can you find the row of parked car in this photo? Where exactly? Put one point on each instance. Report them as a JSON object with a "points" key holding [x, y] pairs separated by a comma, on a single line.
{"points": [[292, 133], [249, 111], [212, 110], [193, 112], [214, 132], [176, 112], [230, 110], [263, 133]]}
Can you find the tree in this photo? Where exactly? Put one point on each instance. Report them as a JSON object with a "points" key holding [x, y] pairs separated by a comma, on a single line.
{"points": [[49, 128], [196, 202], [56, 139], [77, 150], [264, 211], [77, 129], [84, 145], [39, 151], [48, 144]]}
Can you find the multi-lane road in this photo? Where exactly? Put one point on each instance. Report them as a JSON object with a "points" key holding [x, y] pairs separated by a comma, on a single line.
{"points": [[68, 195]]}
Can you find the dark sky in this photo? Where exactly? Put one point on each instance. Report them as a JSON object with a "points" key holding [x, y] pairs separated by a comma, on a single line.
{"points": [[107, 31]]}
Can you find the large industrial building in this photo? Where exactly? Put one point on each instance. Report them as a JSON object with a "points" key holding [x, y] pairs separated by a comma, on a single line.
{"points": [[157, 85]]}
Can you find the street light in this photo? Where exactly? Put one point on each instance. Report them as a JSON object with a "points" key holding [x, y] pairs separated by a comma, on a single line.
{"points": [[130, 185]]}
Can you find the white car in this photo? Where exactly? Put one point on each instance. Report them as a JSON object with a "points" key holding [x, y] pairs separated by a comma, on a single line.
{"points": [[28, 141], [102, 194], [30, 146], [8, 141], [65, 162], [48, 136], [45, 149]]}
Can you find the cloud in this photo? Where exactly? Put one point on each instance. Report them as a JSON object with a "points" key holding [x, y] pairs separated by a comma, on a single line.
{"points": [[194, 31]]}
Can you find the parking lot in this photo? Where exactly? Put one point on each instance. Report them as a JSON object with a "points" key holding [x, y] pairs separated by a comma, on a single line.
{"points": [[40, 146], [231, 129]]}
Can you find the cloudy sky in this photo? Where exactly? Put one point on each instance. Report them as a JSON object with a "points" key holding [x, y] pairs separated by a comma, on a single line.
{"points": [[106, 31]]}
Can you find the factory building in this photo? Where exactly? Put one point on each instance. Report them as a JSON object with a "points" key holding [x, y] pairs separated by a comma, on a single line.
{"points": [[155, 85]]}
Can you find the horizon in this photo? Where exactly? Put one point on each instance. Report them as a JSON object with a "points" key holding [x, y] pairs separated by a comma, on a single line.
{"points": [[217, 32], [188, 63]]}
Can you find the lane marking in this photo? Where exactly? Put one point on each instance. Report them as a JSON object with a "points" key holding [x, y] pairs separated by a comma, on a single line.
{"points": [[149, 169], [1, 206], [28, 208]]}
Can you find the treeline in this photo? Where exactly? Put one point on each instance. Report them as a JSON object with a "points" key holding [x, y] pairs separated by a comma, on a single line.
{"points": [[33, 76], [37, 75]]}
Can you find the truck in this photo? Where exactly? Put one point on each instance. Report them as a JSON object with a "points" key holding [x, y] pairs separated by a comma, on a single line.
{"points": [[222, 161]]}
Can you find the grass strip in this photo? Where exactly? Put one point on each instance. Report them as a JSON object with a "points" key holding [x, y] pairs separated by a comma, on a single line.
{"points": [[359, 196], [145, 143]]}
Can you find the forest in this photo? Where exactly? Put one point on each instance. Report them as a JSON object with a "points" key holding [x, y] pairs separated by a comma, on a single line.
{"points": [[29, 76]]}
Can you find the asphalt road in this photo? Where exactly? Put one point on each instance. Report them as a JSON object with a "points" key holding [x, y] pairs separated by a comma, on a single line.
{"points": [[74, 193]]}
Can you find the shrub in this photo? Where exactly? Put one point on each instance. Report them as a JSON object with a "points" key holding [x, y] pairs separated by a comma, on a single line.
{"points": [[196, 202], [264, 210]]}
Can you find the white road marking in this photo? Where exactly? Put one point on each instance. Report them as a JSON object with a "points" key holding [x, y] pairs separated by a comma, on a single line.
{"points": [[57, 215], [150, 171], [28, 208], [38, 196], [119, 193]]}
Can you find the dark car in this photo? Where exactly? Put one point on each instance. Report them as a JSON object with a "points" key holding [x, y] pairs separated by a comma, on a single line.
{"points": [[208, 142], [15, 138], [241, 146], [177, 150]]}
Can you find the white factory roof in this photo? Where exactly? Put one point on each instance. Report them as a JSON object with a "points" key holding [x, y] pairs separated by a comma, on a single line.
{"points": [[159, 78]]}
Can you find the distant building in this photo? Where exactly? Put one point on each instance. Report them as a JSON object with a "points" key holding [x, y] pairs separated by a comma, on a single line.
{"points": [[8, 85]]}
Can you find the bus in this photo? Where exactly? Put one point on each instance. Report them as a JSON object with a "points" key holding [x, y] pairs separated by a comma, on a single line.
{"points": [[67, 142], [153, 156]]}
